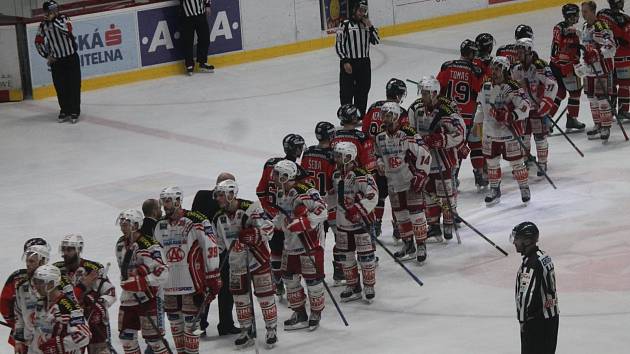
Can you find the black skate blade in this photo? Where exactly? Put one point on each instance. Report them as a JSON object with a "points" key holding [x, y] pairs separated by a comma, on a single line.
{"points": [[296, 327]]}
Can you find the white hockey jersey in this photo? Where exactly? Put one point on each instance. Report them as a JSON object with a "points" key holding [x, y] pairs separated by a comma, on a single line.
{"points": [[538, 83], [191, 252], [145, 253], [491, 97], [399, 154], [601, 37], [357, 186], [228, 226], [301, 196], [26, 303]]}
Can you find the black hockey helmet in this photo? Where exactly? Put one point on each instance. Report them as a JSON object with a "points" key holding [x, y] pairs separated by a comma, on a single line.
{"points": [[324, 131], [523, 31], [396, 89], [348, 113], [616, 4], [291, 143], [570, 10], [485, 42], [34, 241], [50, 5], [359, 3], [525, 231], [468, 48]]}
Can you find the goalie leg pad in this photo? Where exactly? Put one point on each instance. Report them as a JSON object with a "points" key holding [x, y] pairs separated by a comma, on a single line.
{"points": [[176, 320], [406, 229], [129, 340], [494, 171], [263, 284], [295, 291], [605, 113], [350, 270], [542, 148], [244, 312], [269, 310], [419, 223], [519, 171], [574, 103], [316, 298], [594, 103]]}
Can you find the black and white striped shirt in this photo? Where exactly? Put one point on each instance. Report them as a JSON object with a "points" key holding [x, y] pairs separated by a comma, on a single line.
{"points": [[194, 7], [54, 38], [354, 39], [536, 296]]}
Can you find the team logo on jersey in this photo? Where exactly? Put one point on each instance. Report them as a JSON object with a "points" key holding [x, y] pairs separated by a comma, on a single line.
{"points": [[175, 255], [395, 162]]}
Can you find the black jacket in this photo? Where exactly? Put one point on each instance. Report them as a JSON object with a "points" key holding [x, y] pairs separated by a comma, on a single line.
{"points": [[205, 204], [148, 226]]}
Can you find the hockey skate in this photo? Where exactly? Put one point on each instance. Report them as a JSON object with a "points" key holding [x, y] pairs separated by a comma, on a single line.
{"points": [[271, 338], [530, 161], [205, 68], [407, 251], [525, 194], [480, 181], [574, 125], [339, 278], [494, 196], [351, 293], [448, 231], [313, 321], [421, 254], [604, 134], [593, 133], [299, 320], [369, 294], [543, 169], [434, 235], [245, 339]]}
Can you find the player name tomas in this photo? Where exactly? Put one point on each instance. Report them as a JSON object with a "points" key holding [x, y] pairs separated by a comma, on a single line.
{"points": [[458, 75]]}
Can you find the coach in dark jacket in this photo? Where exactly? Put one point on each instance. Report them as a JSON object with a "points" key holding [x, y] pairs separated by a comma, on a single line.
{"points": [[205, 203], [152, 213]]}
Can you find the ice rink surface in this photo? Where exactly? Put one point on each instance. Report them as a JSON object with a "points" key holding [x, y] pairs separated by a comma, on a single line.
{"points": [[134, 140]]}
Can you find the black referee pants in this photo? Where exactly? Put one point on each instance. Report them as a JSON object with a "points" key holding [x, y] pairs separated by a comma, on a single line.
{"points": [[225, 299], [66, 75], [539, 336], [355, 87], [190, 26]]}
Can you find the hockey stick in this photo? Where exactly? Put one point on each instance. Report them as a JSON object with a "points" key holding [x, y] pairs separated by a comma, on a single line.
{"points": [[612, 108], [522, 144], [448, 199], [555, 124], [308, 254], [251, 301], [369, 229]]}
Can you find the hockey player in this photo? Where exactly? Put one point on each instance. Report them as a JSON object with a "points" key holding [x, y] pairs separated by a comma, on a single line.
{"points": [[355, 196], [509, 50], [60, 326], [302, 215], [405, 160], [143, 272], [599, 51], [92, 288], [293, 145], [503, 110], [460, 81], [192, 255], [565, 53], [36, 253], [619, 23], [538, 82], [350, 120], [436, 119], [395, 91], [483, 60], [7, 299], [243, 227]]}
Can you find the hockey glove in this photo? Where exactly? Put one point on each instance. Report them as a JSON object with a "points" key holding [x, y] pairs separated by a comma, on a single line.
{"points": [[135, 283], [418, 181], [213, 283], [355, 213], [501, 114], [249, 236], [591, 55], [545, 106], [435, 140], [300, 224], [52, 346]]}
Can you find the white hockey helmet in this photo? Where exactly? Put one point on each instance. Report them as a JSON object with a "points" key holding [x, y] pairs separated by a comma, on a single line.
{"points": [[347, 151], [42, 251], [502, 62], [525, 43], [285, 171], [226, 187], [72, 241], [391, 108], [430, 84], [173, 192], [134, 216], [48, 273]]}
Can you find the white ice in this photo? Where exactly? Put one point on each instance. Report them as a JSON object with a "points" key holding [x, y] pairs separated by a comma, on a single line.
{"points": [[133, 140]]}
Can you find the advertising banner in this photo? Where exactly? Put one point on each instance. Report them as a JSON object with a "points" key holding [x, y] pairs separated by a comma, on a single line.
{"points": [[106, 44], [10, 69], [333, 13], [159, 32]]}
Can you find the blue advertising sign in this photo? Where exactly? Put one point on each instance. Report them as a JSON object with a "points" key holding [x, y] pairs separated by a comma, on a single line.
{"points": [[106, 44], [159, 32]]}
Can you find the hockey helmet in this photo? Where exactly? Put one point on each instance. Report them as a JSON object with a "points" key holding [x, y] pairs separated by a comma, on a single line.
{"points": [[50, 5], [429, 83], [525, 231], [174, 193], [570, 10], [293, 145], [348, 114], [523, 31], [42, 251], [71, 241], [485, 43], [525, 43], [345, 152], [34, 241], [46, 274], [229, 188], [468, 48], [134, 216], [284, 171], [360, 4], [396, 89], [324, 131], [502, 62]]}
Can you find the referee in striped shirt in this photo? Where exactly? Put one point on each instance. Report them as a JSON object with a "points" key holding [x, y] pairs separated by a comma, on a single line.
{"points": [[55, 42], [195, 21], [536, 297], [353, 48]]}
